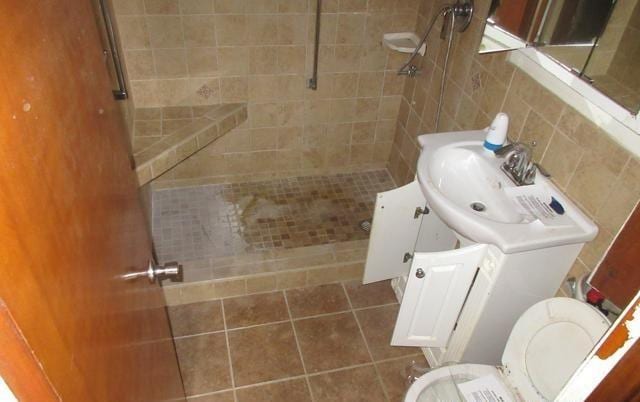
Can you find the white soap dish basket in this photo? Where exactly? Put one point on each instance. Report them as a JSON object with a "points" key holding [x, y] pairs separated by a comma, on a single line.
{"points": [[404, 42]]}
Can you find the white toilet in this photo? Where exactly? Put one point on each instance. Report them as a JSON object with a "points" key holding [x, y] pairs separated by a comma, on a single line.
{"points": [[546, 345]]}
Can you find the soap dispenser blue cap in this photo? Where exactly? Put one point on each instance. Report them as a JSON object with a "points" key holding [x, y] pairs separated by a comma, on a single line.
{"points": [[497, 132]]}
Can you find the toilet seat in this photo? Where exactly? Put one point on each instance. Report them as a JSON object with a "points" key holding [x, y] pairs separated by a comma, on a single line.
{"points": [[546, 345]]}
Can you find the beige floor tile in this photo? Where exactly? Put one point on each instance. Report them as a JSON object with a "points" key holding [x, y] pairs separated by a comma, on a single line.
{"points": [[286, 391], [331, 342], [204, 363], [377, 324], [394, 375], [255, 309], [373, 294], [316, 300], [353, 385], [226, 396], [264, 353], [196, 318]]}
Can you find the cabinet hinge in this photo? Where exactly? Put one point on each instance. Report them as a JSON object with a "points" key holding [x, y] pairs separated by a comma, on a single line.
{"points": [[420, 211], [407, 257]]}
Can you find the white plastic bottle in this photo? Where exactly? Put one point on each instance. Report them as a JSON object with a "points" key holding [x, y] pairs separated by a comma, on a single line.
{"points": [[497, 132]]}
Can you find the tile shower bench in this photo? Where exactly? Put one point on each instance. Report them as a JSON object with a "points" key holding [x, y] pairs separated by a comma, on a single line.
{"points": [[164, 137]]}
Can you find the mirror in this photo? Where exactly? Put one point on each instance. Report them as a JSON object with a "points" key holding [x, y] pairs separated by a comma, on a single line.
{"points": [[598, 40]]}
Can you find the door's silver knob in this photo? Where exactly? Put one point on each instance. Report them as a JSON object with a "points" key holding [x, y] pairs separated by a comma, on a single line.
{"points": [[171, 270], [419, 273]]}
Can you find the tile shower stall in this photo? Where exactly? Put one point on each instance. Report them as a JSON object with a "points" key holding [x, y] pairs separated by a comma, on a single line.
{"points": [[203, 224], [275, 201]]}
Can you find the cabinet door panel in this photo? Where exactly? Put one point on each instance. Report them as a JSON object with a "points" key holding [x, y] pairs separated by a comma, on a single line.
{"points": [[437, 286], [394, 232]]}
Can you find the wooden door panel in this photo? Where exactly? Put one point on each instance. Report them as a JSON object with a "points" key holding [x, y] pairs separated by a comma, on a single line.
{"points": [[618, 277], [70, 218]]}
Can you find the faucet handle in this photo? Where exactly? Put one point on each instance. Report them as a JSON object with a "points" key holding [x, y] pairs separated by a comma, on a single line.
{"points": [[529, 174], [504, 150]]}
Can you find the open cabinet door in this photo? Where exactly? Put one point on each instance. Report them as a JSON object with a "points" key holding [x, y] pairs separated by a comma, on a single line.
{"points": [[401, 223], [71, 220], [435, 293]]}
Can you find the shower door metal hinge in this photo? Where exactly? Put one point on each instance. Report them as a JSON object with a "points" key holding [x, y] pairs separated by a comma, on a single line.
{"points": [[420, 211]]}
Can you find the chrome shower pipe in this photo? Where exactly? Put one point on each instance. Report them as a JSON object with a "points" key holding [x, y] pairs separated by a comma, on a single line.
{"points": [[443, 81], [312, 83], [461, 14], [413, 71]]}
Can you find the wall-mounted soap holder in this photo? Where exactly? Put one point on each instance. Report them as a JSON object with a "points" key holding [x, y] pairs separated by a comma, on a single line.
{"points": [[404, 42]]}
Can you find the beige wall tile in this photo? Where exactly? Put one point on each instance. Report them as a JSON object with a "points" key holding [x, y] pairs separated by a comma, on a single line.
{"points": [[202, 61], [233, 60], [199, 30], [140, 64], [170, 63], [133, 32], [161, 7], [196, 6], [623, 198], [536, 131], [234, 89], [561, 158], [128, 7], [165, 31], [229, 6]]}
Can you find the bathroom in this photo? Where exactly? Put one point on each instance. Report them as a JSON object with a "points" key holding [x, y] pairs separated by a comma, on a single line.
{"points": [[210, 178]]}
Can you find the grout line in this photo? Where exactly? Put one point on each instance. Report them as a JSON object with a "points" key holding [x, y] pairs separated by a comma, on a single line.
{"points": [[295, 337], [226, 337], [258, 325], [198, 334], [386, 395]]}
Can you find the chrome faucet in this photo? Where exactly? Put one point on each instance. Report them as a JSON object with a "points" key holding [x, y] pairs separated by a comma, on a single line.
{"points": [[518, 165]]}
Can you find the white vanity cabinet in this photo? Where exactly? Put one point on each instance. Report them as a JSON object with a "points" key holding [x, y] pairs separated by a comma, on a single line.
{"points": [[459, 299]]}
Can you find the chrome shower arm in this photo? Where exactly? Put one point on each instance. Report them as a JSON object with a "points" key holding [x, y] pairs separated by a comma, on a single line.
{"points": [[403, 70]]}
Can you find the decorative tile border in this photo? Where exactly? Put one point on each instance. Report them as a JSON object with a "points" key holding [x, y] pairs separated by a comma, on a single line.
{"points": [[153, 161]]}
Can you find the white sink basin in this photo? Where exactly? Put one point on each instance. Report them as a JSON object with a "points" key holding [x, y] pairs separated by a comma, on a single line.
{"points": [[465, 186]]}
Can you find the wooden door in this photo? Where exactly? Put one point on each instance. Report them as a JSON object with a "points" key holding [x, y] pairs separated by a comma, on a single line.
{"points": [[618, 275], [71, 222]]}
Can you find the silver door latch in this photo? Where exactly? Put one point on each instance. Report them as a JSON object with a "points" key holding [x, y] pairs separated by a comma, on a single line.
{"points": [[170, 270]]}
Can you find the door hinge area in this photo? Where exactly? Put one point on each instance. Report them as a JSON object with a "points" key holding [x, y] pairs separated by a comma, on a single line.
{"points": [[420, 211], [407, 257]]}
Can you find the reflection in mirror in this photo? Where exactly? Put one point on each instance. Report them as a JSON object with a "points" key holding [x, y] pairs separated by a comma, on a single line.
{"points": [[571, 29], [598, 40], [510, 24], [614, 65]]}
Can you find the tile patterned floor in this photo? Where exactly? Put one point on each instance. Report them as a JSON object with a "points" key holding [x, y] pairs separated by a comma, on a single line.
{"points": [[323, 343], [221, 220]]}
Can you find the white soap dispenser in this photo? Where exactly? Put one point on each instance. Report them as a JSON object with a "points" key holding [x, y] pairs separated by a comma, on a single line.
{"points": [[497, 132]]}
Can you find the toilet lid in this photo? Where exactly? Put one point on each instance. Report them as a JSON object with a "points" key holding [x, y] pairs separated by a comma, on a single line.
{"points": [[548, 343]]}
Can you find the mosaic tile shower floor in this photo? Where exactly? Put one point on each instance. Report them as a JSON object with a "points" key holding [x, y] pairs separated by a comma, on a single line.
{"points": [[222, 220]]}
